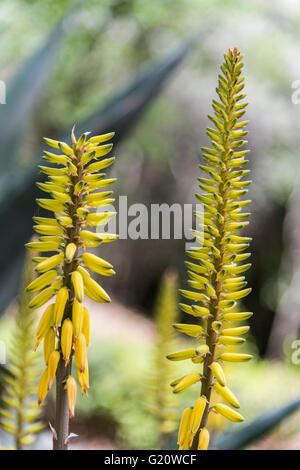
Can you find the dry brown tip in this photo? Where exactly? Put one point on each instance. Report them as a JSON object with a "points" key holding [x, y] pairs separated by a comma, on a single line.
{"points": [[73, 135]]}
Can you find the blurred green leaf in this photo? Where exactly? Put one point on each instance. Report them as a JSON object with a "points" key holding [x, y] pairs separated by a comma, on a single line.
{"points": [[126, 107], [22, 95], [17, 204], [4, 370], [255, 430]]}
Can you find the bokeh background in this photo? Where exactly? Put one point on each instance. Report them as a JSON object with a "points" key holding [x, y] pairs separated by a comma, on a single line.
{"points": [[148, 70]]}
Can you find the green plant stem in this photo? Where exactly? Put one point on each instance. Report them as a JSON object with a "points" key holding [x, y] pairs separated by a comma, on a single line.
{"points": [[212, 334], [206, 386], [60, 441]]}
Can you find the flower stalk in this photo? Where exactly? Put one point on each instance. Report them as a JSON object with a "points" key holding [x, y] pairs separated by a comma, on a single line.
{"points": [[64, 327], [158, 399], [216, 273], [20, 415]]}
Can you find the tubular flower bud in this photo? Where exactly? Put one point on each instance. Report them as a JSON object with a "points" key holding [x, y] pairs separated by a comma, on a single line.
{"points": [[102, 218], [43, 387], [49, 344], [96, 264], [98, 196], [238, 295], [235, 357], [45, 323], [186, 382], [90, 236], [197, 414], [84, 273], [43, 246], [184, 426], [216, 268], [228, 395], [86, 326], [83, 379], [52, 366], [71, 249], [72, 390], [231, 340], [66, 339], [78, 286], [77, 317], [73, 187], [42, 298], [94, 291], [182, 355], [198, 359], [45, 221], [228, 413], [98, 166], [56, 285], [199, 311], [237, 316], [47, 229], [216, 325], [49, 263], [240, 330], [80, 353], [42, 281], [190, 330], [176, 381], [202, 350], [64, 221], [38, 259], [203, 439], [218, 373], [99, 139], [60, 304]]}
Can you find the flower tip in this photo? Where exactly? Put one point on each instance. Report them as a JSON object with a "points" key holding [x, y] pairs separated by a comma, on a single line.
{"points": [[73, 135], [71, 391]]}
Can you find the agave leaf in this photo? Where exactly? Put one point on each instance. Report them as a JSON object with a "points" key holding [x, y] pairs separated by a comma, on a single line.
{"points": [[125, 108], [248, 433], [4, 370], [23, 93], [17, 203]]}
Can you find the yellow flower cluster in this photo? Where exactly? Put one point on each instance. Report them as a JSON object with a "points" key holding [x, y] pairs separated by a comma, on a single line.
{"points": [[215, 273], [74, 188]]}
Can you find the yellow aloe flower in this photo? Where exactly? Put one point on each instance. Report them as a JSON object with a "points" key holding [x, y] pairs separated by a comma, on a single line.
{"points": [[216, 273], [203, 439], [72, 390], [73, 186]]}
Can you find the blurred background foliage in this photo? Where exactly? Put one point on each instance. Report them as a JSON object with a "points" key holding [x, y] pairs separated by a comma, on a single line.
{"points": [[100, 64]]}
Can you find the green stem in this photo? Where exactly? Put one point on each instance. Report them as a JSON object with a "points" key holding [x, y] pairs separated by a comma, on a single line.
{"points": [[60, 441]]}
